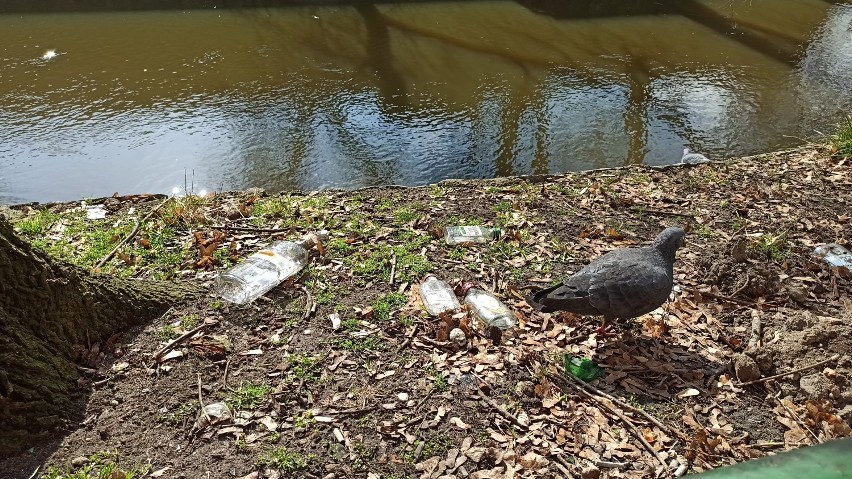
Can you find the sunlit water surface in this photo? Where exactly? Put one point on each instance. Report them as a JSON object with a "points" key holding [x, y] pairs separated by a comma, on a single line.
{"points": [[348, 95]]}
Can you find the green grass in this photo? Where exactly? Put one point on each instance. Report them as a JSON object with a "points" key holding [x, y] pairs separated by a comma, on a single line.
{"points": [[384, 306], [83, 242], [439, 382], [376, 263], [167, 333], [177, 415], [248, 396], [302, 367], [368, 343], [775, 247], [283, 460], [101, 465], [37, 224], [841, 141]]}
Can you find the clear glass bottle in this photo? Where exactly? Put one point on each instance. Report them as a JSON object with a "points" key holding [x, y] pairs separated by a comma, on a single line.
{"points": [[265, 269], [488, 308], [470, 234], [437, 296]]}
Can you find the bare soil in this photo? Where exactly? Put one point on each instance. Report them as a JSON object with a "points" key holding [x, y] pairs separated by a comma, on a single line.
{"points": [[387, 395]]}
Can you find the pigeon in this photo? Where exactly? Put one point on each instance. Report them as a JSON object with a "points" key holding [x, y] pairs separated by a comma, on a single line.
{"points": [[622, 284]]}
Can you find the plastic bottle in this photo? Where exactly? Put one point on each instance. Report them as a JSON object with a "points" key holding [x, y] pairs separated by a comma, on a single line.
{"points": [[470, 234], [265, 269], [488, 308], [437, 296]]}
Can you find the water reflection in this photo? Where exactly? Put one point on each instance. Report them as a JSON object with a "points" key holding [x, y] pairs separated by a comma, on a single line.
{"points": [[351, 94]]}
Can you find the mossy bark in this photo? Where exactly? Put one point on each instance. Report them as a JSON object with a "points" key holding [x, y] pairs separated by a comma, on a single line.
{"points": [[49, 313]]}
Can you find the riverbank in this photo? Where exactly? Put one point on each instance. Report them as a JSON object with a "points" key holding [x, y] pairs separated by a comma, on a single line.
{"points": [[384, 394]]}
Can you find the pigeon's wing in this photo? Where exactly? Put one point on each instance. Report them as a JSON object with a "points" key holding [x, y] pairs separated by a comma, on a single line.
{"points": [[571, 296], [630, 283]]}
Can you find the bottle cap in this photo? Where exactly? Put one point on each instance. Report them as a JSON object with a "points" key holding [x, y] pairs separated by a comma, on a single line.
{"points": [[462, 288]]}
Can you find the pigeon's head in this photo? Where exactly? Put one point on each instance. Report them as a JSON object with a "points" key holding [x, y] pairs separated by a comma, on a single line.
{"points": [[670, 240]]}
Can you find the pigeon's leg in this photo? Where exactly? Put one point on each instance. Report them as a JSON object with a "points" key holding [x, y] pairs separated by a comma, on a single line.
{"points": [[605, 329]]}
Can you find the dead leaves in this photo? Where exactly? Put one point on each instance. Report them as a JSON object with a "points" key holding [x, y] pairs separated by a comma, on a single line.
{"points": [[206, 248]]}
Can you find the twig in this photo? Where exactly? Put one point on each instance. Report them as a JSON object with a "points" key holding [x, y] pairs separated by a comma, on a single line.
{"points": [[409, 338], [201, 401], [769, 444], [629, 425], [183, 337], [35, 473], [620, 403], [564, 463], [611, 465], [561, 467], [502, 411], [393, 268], [756, 330], [309, 304], [768, 378], [642, 209], [225, 376], [250, 230], [798, 420], [128, 237], [722, 298]]}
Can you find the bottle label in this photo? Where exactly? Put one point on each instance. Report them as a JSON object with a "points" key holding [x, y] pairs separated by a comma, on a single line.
{"points": [[280, 262], [462, 234]]}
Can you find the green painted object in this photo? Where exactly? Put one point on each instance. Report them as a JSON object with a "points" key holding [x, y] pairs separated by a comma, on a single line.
{"points": [[832, 460]]}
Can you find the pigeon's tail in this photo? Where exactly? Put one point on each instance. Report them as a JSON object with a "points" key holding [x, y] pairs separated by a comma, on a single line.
{"points": [[561, 298]]}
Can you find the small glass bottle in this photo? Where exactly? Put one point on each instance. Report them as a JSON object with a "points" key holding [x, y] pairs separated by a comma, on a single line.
{"points": [[488, 308], [437, 296], [265, 269], [470, 234]]}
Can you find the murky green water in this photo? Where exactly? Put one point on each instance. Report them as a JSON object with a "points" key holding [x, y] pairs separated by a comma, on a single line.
{"points": [[346, 94]]}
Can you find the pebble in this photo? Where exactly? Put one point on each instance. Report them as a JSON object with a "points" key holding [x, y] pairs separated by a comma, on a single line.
{"points": [[746, 368], [816, 386], [79, 461], [402, 396]]}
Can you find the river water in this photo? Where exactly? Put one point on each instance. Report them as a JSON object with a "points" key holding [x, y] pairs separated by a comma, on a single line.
{"points": [[138, 96]]}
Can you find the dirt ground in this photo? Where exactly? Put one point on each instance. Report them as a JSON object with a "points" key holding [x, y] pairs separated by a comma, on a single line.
{"points": [[386, 394]]}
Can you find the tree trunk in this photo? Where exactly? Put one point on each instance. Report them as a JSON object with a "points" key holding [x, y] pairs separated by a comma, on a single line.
{"points": [[50, 312]]}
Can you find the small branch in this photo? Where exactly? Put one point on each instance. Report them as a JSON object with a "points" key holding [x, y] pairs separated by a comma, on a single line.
{"points": [[621, 404], [741, 302], [251, 230], [128, 237], [225, 376], [183, 337], [627, 424], [563, 466], [310, 306], [642, 209], [768, 378], [393, 268], [756, 330], [201, 401], [409, 338], [506, 414], [798, 420]]}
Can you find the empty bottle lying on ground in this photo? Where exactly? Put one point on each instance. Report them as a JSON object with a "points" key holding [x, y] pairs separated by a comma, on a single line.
{"points": [[266, 269]]}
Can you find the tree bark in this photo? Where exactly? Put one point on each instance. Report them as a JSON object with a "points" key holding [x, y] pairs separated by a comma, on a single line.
{"points": [[50, 312]]}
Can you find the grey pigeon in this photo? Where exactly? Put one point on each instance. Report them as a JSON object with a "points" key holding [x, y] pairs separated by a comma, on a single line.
{"points": [[622, 284]]}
